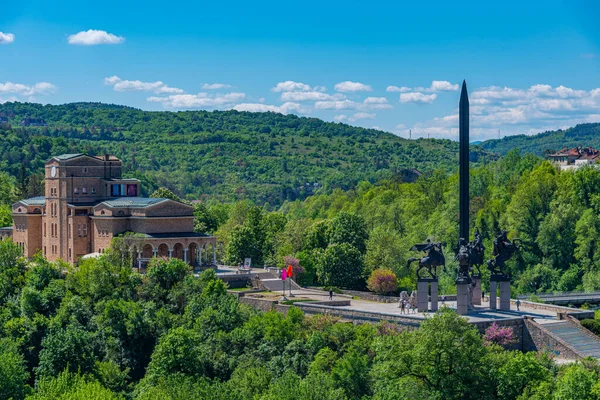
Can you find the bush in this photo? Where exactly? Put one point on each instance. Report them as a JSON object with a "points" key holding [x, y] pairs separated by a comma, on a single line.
{"points": [[382, 281], [592, 325], [500, 335]]}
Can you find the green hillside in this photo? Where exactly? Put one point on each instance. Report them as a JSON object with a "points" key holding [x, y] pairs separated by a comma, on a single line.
{"points": [[228, 155], [543, 143]]}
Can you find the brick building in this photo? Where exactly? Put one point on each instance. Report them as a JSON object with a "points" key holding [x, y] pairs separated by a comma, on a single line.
{"points": [[575, 158], [87, 203]]}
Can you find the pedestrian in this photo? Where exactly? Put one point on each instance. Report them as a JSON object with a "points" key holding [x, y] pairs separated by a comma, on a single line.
{"points": [[518, 305], [482, 295], [443, 299], [402, 306], [330, 294]]}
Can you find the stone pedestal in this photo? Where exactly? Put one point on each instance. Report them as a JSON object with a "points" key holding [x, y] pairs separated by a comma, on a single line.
{"points": [[493, 289], [504, 282], [462, 297], [505, 296], [434, 295], [422, 295], [477, 290]]}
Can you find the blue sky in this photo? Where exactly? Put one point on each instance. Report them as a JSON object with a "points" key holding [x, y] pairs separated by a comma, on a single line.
{"points": [[530, 66]]}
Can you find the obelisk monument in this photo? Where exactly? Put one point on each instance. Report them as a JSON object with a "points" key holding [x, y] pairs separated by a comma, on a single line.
{"points": [[464, 293]]}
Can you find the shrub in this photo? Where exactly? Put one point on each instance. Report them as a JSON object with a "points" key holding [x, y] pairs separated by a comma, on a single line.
{"points": [[382, 281], [592, 325], [500, 335]]}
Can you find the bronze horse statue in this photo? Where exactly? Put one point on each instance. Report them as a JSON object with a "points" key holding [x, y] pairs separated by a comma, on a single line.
{"points": [[503, 251], [434, 258]]}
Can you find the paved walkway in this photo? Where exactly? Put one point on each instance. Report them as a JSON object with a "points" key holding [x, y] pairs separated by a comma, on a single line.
{"points": [[481, 313]]}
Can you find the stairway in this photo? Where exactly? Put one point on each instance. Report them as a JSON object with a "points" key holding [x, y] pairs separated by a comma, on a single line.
{"points": [[276, 285], [581, 341]]}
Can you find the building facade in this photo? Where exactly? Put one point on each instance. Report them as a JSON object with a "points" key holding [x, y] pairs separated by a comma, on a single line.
{"points": [[575, 158], [87, 203]]}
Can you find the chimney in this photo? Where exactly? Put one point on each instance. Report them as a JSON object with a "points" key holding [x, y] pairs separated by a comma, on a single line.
{"points": [[106, 157]]}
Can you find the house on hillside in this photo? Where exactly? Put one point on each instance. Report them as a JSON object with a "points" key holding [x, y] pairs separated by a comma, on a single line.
{"points": [[575, 158]]}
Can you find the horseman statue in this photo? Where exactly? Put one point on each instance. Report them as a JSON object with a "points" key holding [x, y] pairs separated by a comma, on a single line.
{"points": [[434, 257], [503, 251], [463, 257], [476, 254], [469, 255]]}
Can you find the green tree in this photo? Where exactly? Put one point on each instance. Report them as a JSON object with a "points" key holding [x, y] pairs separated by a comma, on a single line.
{"points": [[348, 228], [340, 265], [13, 374]]}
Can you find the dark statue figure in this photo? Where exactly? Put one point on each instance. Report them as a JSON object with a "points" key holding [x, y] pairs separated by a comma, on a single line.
{"points": [[469, 255], [504, 249], [477, 252], [434, 258], [463, 257]]}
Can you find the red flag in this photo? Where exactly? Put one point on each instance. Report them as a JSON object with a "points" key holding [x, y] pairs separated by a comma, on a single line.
{"points": [[289, 271]]}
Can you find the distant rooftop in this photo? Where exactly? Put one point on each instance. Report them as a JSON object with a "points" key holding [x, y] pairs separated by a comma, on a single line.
{"points": [[132, 202], [34, 201], [63, 157], [67, 156]]}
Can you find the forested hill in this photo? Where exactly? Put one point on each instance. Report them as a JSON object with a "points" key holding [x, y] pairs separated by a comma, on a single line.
{"points": [[266, 157], [543, 143]]}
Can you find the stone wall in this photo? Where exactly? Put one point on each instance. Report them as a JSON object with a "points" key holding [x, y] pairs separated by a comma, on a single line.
{"points": [[537, 338], [577, 313], [259, 304], [516, 324]]}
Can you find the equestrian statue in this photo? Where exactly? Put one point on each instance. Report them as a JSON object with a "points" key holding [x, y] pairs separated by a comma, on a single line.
{"points": [[503, 251], [434, 257]]}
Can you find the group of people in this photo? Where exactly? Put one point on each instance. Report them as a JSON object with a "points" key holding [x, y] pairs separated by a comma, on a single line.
{"points": [[408, 304]]}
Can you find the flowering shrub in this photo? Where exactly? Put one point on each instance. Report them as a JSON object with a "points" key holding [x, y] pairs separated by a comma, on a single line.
{"points": [[499, 335], [382, 281], [295, 263]]}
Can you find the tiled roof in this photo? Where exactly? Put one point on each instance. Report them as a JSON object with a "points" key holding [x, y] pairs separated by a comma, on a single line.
{"points": [[34, 201], [6, 228], [121, 179], [132, 202], [67, 156]]}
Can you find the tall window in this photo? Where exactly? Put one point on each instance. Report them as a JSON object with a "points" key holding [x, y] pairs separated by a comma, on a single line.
{"points": [[79, 230], [44, 234], [85, 230]]}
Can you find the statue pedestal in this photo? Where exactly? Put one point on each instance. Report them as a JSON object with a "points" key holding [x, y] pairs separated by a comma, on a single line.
{"points": [[462, 297], [477, 290], [434, 295], [505, 296], [504, 282], [423, 294]]}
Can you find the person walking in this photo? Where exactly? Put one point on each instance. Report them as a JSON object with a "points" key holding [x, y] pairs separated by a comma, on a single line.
{"points": [[518, 305], [443, 299], [402, 306], [330, 294], [482, 296]]}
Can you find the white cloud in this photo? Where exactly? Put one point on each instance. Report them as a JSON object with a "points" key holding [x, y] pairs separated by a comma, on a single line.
{"points": [[356, 117], [310, 96], [291, 86], [402, 89], [285, 108], [216, 86], [375, 100], [6, 38], [200, 100], [93, 37], [349, 86], [368, 104], [443, 86], [417, 97], [158, 87], [40, 88], [362, 115], [520, 111]]}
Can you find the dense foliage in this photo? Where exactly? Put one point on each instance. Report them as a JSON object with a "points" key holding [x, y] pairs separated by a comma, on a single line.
{"points": [[103, 331], [228, 155], [548, 142]]}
